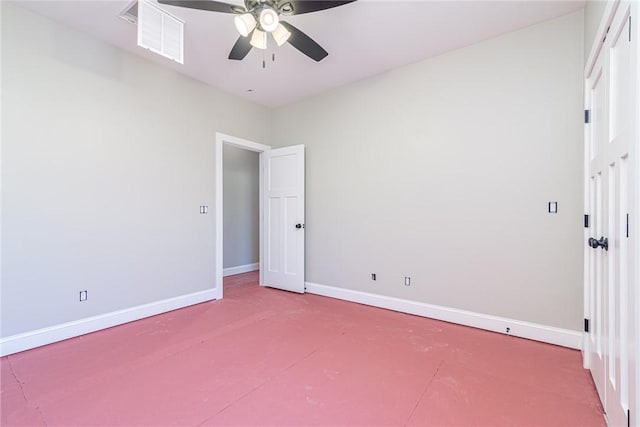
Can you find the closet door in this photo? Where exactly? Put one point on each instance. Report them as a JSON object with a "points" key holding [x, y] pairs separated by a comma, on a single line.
{"points": [[611, 260]]}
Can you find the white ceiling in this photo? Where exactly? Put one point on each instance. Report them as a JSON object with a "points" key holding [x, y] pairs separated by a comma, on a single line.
{"points": [[363, 38]]}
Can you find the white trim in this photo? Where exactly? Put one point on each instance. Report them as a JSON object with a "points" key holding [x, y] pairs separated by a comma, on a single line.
{"points": [[605, 22], [518, 328], [241, 143], [238, 269], [218, 217], [28, 340], [586, 161], [222, 139], [634, 219]]}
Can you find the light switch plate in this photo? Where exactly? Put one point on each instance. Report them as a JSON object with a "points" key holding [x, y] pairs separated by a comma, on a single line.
{"points": [[553, 207]]}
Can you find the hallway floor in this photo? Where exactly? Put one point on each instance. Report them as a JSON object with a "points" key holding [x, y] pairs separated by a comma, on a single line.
{"points": [[267, 357]]}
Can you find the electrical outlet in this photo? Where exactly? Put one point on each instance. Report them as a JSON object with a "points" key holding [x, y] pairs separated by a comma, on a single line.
{"points": [[83, 296], [407, 281], [373, 276]]}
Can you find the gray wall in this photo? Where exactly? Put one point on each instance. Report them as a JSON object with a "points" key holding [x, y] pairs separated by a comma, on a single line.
{"points": [[442, 171], [106, 158], [241, 208]]}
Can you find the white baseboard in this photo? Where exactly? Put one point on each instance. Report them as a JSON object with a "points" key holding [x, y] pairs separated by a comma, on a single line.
{"points": [[532, 331], [240, 269], [28, 340]]}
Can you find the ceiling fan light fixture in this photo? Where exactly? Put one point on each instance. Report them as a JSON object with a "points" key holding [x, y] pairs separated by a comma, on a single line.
{"points": [[269, 19], [245, 23], [259, 39], [281, 35]]}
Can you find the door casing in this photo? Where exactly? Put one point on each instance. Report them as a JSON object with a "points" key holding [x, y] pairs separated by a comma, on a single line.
{"points": [[222, 139]]}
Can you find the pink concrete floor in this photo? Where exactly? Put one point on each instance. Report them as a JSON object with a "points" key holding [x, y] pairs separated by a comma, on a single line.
{"points": [[268, 357]]}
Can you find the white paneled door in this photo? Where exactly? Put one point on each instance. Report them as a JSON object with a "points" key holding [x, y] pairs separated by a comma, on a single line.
{"points": [[595, 256], [611, 296], [283, 207]]}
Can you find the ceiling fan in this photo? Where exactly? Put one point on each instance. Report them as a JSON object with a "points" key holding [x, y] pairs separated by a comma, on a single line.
{"points": [[257, 18]]}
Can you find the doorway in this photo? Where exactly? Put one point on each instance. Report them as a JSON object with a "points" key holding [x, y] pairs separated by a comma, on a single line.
{"points": [[221, 141], [281, 212], [240, 218]]}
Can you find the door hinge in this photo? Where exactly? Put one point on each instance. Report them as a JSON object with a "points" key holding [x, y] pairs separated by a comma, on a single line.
{"points": [[586, 221], [606, 34], [627, 225], [587, 116], [586, 325], [629, 27]]}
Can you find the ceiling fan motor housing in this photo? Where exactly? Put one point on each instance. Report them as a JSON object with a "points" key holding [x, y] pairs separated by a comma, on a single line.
{"points": [[279, 7]]}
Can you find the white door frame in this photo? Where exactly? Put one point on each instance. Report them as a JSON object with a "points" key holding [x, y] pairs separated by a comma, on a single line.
{"points": [[222, 139]]}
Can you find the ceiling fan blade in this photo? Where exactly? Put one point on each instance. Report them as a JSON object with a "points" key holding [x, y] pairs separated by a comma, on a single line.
{"points": [[240, 49], [304, 43], [307, 6], [210, 5]]}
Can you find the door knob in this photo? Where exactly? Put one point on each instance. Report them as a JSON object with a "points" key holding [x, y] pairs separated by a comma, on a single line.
{"points": [[603, 243], [299, 226]]}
